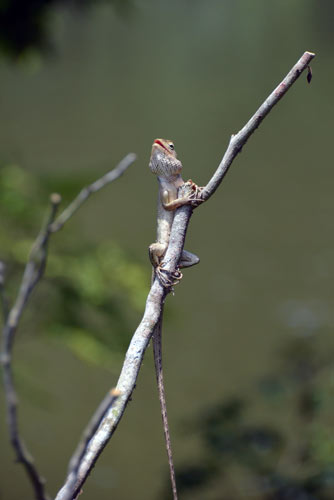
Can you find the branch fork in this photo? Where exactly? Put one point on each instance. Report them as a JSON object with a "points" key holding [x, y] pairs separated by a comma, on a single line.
{"points": [[109, 417]]}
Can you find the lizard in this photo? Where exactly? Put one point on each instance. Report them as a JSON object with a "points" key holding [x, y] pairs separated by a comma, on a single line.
{"points": [[165, 164]]}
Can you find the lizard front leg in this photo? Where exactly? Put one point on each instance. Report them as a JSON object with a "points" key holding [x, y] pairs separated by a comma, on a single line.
{"points": [[190, 195]]}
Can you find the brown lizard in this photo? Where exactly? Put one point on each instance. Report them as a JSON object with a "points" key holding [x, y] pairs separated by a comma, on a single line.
{"points": [[167, 167]]}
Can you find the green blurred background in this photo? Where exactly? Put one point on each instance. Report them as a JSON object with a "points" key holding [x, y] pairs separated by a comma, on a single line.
{"points": [[248, 344]]}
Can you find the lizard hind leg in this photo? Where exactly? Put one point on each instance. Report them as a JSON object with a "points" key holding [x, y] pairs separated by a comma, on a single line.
{"points": [[167, 279], [188, 259], [156, 252]]}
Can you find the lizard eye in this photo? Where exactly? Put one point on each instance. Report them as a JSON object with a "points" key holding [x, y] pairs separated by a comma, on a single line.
{"points": [[171, 146]]}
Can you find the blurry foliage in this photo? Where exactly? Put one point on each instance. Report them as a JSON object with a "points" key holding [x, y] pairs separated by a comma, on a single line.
{"points": [[90, 296], [290, 458], [24, 24]]}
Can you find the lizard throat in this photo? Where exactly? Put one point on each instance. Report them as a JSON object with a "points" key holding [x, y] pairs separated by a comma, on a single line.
{"points": [[164, 165]]}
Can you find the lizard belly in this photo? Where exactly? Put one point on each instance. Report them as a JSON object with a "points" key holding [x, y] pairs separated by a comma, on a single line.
{"points": [[158, 249], [165, 220]]}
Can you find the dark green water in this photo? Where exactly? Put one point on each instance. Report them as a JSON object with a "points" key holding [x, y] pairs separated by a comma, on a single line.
{"points": [[193, 72]]}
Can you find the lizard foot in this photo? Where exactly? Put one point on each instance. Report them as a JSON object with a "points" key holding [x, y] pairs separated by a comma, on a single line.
{"points": [[195, 193], [167, 278]]}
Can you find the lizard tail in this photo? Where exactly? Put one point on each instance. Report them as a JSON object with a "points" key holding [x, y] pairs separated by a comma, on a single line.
{"points": [[162, 399]]}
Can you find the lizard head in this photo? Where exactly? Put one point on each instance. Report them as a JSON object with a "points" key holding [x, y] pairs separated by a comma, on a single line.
{"points": [[164, 162]]}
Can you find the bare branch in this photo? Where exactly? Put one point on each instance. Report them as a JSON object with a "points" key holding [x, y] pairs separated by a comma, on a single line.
{"points": [[33, 272], [125, 385], [157, 294], [92, 188], [239, 140], [69, 491], [91, 428]]}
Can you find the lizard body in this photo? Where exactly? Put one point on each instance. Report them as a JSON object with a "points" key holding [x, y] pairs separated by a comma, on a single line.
{"points": [[165, 164], [167, 167]]}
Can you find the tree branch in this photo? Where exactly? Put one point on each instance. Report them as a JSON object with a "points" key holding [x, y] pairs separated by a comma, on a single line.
{"points": [[239, 140], [75, 462], [93, 188], [33, 272], [157, 294], [125, 386], [91, 428]]}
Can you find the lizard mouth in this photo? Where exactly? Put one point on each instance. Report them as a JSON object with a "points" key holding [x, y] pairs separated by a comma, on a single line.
{"points": [[159, 143]]}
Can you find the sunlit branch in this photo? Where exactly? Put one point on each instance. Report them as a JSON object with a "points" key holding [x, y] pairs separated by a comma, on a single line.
{"points": [[140, 340], [239, 140], [106, 404]]}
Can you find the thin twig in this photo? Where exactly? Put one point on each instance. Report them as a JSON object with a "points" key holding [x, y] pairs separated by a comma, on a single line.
{"points": [[105, 405], [33, 272], [239, 140], [92, 188], [91, 428], [157, 294]]}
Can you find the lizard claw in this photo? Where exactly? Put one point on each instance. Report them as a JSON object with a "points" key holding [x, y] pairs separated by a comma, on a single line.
{"points": [[195, 196], [167, 278]]}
